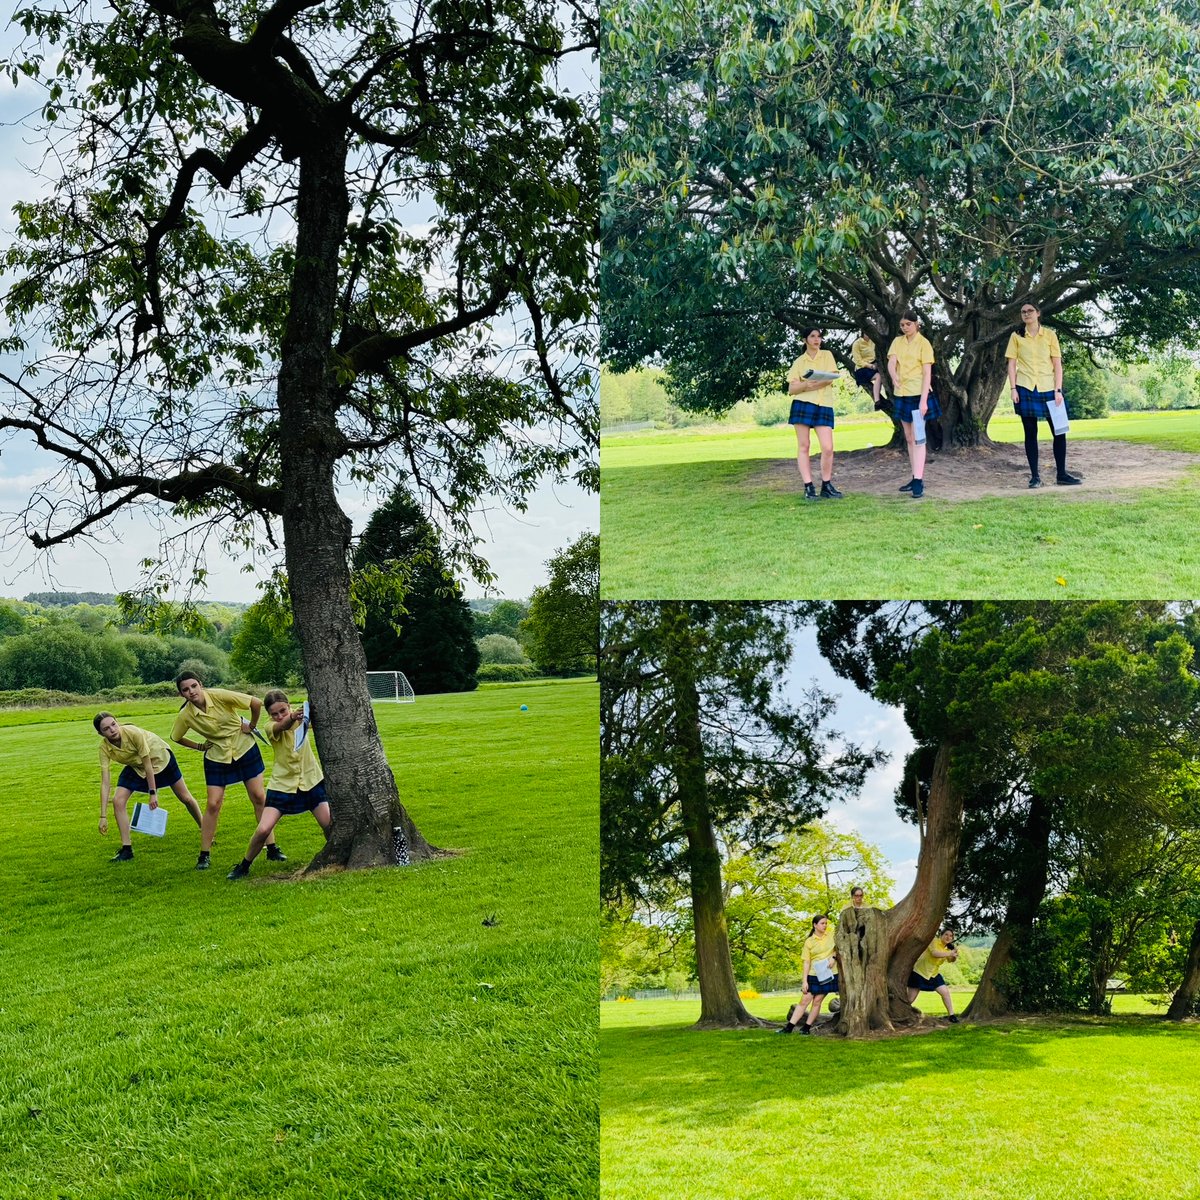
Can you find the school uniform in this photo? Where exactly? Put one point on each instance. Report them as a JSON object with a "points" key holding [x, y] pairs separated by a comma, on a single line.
{"points": [[806, 411], [911, 359], [926, 975], [135, 747], [233, 756], [818, 954], [297, 781], [862, 355], [1035, 371]]}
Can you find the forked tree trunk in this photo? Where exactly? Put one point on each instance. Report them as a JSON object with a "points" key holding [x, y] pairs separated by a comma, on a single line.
{"points": [[363, 799], [720, 1005], [875, 988], [1186, 1001], [969, 393], [1098, 973], [992, 998]]}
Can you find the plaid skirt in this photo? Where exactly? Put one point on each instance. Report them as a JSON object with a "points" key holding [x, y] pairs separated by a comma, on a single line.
{"points": [[907, 405], [805, 412], [217, 774], [817, 988], [1034, 404], [163, 779]]}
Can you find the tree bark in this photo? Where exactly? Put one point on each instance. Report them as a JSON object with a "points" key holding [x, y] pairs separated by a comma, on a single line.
{"points": [[363, 798], [720, 1005], [878, 961], [1186, 1001], [1032, 855], [1099, 939], [970, 392]]}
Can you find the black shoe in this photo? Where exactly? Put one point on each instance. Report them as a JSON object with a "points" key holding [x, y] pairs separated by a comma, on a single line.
{"points": [[274, 854], [202, 863], [125, 854], [829, 492], [1064, 479], [908, 487], [1036, 481], [810, 492], [953, 1019], [805, 1027], [239, 872], [918, 489], [786, 1029]]}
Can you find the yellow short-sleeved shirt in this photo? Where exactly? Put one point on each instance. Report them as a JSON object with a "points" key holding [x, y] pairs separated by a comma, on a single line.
{"points": [[911, 357], [219, 723], [817, 948], [1033, 354], [821, 361], [294, 770], [136, 746], [927, 966], [862, 353]]}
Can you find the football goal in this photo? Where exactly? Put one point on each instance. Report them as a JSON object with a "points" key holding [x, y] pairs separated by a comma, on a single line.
{"points": [[390, 685]]}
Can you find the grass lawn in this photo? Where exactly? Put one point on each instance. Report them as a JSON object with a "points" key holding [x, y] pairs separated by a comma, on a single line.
{"points": [[685, 516], [1086, 1109], [167, 1034]]}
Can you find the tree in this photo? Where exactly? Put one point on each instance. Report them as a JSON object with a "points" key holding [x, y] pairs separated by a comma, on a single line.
{"points": [[496, 648], [503, 617], [421, 625], [275, 245], [156, 663], [769, 167], [64, 658], [695, 740], [563, 626], [265, 649]]}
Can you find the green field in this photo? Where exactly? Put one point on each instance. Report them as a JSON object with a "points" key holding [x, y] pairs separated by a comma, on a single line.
{"points": [[1070, 1109], [167, 1034], [682, 517]]}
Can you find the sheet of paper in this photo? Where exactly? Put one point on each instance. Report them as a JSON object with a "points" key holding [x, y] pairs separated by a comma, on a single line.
{"points": [[918, 427], [302, 729], [821, 375], [822, 970], [149, 820], [1058, 416]]}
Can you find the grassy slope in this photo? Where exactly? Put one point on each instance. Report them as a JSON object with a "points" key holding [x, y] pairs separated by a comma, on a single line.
{"points": [[354, 1036], [680, 521], [1069, 1110]]}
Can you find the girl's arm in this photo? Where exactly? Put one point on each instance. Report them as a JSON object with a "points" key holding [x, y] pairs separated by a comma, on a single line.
{"points": [[148, 768], [255, 711], [926, 384], [1057, 377], [105, 784], [1012, 379], [894, 372]]}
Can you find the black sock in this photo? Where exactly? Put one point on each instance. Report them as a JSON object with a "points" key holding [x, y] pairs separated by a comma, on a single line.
{"points": [[204, 853], [1031, 451], [1060, 454]]}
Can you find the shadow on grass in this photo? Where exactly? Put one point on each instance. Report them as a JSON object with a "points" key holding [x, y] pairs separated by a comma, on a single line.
{"points": [[679, 1073]]}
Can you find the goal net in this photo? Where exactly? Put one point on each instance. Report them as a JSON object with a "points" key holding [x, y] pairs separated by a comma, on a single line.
{"points": [[390, 685]]}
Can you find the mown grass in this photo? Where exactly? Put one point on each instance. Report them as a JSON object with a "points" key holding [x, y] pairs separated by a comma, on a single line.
{"points": [[1087, 1109], [165, 1033], [681, 521]]}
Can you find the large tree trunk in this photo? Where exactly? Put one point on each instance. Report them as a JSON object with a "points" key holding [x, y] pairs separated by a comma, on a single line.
{"points": [[1099, 940], [1032, 857], [366, 808], [1186, 1001], [875, 992], [720, 1005], [970, 392]]}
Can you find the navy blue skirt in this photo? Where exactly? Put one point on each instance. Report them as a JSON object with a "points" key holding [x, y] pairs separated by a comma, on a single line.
{"points": [[865, 376], [805, 412], [1034, 404], [291, 804], [907, 405], [926, 985], [134, 782], [817, 988], [218, 774]]}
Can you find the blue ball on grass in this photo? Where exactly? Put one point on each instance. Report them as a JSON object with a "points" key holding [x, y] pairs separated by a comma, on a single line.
{"points": [[524, 707]]}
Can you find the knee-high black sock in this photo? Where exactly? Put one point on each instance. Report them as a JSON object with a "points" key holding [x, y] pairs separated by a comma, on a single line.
{"points": [[1060, 453], [1031, 453]]}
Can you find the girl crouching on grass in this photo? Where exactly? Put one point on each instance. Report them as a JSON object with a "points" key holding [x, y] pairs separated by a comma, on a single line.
{"points": [[147, 763], [297, 782], [820, 975]]}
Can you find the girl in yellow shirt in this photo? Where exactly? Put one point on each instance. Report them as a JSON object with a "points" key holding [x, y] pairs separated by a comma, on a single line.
{"points": [[814, 414], [820, 971], [1035, 382], [910, 364]]}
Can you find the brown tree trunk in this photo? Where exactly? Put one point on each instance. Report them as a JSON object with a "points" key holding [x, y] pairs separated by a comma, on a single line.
{"points": [[362, 791], [1186, 1001], [720, 1005], [878, 962], [862, 942], [1099, 938], [1032, 854], [970, 392]]}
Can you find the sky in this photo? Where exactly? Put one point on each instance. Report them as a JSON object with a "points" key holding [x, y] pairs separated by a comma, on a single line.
{"points": [[863, 719], [516, 545]]}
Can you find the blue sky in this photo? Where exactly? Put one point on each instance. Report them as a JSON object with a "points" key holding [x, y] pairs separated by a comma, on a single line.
{"points": [[864, 720]]}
